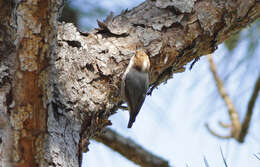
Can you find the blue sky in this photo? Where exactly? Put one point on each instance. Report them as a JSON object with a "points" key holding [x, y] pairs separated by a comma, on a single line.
{"points": [[171, 123]]}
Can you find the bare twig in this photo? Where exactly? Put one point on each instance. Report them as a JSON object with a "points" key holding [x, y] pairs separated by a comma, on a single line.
{"points": [[206, 162], [215, 134], [130, 150], [234, 117], [222, 155], [250, 107], [257, 157], [224, 125]]}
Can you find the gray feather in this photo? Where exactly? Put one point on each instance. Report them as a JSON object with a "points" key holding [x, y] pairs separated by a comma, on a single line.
{"points": [[136, 86]]}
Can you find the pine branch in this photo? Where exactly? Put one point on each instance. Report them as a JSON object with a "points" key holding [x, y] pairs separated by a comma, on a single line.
{"points": [[129, 149], [233, 114], [249, 113]]}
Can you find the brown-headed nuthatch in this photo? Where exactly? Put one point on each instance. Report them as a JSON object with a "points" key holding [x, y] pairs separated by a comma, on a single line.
{"points": [[135, 83]]}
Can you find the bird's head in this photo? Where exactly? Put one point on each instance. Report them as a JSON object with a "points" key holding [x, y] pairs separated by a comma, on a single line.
{"points": [[141, 61]]}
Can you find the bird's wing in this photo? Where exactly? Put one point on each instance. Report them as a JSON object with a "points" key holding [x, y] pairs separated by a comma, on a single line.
{"points": [[135, 93]]}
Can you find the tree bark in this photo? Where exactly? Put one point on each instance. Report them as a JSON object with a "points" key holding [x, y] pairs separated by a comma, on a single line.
{"points": [[130, 150], [58, 86], [28, 41]]}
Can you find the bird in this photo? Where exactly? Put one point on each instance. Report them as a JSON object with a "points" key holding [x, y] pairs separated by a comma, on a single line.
{"points": [[135, 83]]}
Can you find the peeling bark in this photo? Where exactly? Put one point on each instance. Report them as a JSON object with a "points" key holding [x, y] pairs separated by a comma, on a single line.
{"points": [[57, 92], [27, 42]]}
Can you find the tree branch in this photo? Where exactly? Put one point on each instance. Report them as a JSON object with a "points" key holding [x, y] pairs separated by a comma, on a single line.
{"points": [[216, 134], [233, 114], [130, 149], [238, 131], [249, 113], [65, 84], [89, 66]]}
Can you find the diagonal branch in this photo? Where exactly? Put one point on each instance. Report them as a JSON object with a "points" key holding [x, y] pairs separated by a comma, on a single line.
{"points": [[130, 149], [257, 157], [250, 107], [233, 115], [224, 159]]}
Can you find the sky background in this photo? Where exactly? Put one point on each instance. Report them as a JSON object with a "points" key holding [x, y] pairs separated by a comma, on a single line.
{"points": [[171, 123]]}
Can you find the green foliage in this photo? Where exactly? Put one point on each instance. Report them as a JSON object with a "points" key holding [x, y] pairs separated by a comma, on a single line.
{"points": [[249, 38], [69, 14], [83, 14], [251, 34], [232, 42]]}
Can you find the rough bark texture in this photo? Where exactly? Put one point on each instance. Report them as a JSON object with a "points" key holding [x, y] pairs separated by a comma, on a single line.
{"points": [[28, 39], [7, 59], [52, 104]]}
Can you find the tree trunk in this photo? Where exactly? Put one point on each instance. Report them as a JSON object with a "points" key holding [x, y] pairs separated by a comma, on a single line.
{"points": [[28, 43], [58, 86]]}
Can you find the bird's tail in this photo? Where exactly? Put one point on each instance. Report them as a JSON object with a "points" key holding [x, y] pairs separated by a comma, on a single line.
{"points": [[131, 119], [130, 124]]}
